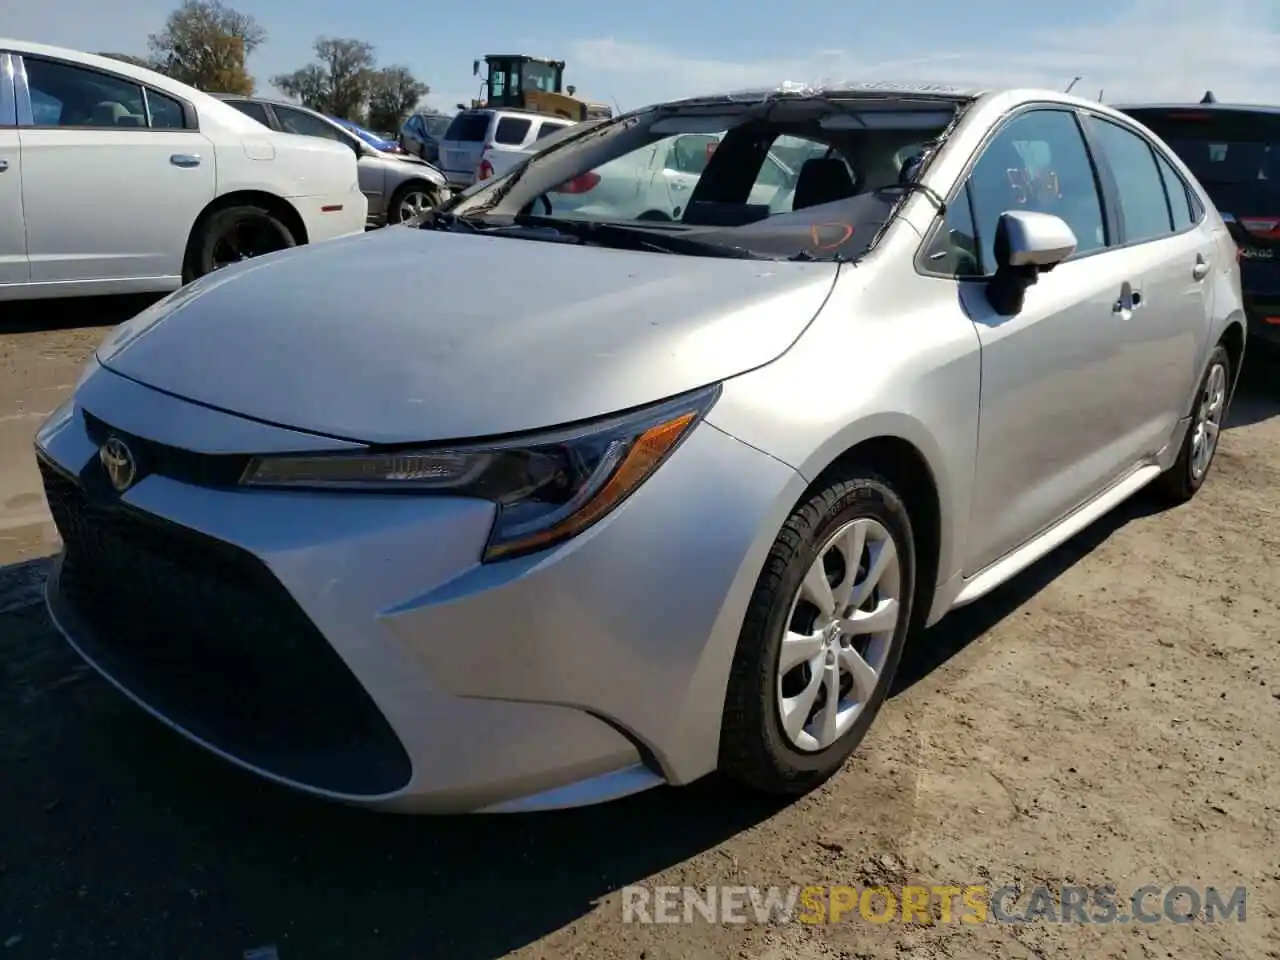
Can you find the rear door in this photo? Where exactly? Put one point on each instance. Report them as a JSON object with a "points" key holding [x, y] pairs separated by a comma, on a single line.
{"points": [[13, 234], [1169, 318], [463, 145], [114, 174], [1235, 154]]}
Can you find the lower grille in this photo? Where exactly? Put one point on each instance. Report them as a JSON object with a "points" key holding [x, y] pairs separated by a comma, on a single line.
{"points": [[203, 633]]}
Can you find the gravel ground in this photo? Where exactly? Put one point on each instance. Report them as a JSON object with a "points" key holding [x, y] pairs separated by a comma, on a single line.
{"points": [[1112, 716]]}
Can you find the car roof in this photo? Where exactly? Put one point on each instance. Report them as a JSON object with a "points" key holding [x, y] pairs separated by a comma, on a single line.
{"points": [[853, 88], [122, 68], [1202, 107], [514, 112]]}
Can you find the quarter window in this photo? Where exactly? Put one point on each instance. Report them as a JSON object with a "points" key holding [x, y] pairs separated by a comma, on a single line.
{"points": [[1143, 203], [166, 112], [1179, 196], [549, 127], [67, 96], [954, 249], [1038, 162]]}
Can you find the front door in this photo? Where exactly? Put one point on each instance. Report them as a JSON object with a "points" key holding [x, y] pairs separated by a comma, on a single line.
{"points": [[1052, 430], [113, 178]]}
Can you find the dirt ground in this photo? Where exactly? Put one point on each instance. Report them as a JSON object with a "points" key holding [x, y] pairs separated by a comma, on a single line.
{"points": [[1111, 717]]}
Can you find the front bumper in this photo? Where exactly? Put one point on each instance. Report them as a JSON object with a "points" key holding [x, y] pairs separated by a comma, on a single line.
{"points": [[352, 646]]}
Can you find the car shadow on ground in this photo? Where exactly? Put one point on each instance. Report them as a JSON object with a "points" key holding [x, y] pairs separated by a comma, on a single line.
{"points": [[123, 832], [32, 316], [1257, 395], [115, 831]]}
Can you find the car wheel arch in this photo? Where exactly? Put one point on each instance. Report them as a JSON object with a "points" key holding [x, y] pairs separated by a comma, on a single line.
{"points": [[273, 204], [1233, 340], [914, 479]]}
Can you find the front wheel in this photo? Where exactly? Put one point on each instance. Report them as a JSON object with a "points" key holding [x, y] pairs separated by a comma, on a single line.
{"points": [[822, 637], [234, 234], [410, 201]]}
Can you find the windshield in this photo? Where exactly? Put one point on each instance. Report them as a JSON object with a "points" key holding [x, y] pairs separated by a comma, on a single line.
{"points": [[806, 176], [1234, 154], [436, 126]]}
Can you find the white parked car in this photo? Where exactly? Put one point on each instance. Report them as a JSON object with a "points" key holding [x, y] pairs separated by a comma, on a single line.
{"points": [[474, 133], [656, 183], [116, 179]]}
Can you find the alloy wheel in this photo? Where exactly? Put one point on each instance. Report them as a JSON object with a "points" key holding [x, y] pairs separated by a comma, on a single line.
{"points": [[839, 634], [1208, 423], [414, 204]]}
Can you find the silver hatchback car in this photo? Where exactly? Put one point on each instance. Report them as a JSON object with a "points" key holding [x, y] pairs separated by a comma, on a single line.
{"points": [[399, 187], [666, 498]]}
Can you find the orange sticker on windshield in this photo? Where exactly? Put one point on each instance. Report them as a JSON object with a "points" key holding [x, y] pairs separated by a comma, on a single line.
{"points": [[836, 234]]}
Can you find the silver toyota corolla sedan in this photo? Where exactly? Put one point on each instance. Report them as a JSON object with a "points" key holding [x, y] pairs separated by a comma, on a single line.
{"points": [[631, 501]]}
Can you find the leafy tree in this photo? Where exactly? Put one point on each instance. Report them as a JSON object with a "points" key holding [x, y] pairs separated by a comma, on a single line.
{"points": [[338, 82], [393, 93], [204, 43]]}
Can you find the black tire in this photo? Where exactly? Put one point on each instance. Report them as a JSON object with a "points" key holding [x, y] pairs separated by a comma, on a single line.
{"points": [[1181, 482], [654, 215], [245, 228], [395, 214], [754, 749]]}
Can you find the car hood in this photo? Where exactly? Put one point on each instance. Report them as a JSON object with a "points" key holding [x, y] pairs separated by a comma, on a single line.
{"points": [[407, 335]]}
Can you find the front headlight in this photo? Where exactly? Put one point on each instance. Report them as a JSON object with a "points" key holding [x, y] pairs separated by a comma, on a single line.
{"points": [[548, 487]]}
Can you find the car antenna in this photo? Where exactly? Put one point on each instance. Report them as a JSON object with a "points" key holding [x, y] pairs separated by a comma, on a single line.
{"points": [[1208, 97], [1073, 82], [1100, 89]]}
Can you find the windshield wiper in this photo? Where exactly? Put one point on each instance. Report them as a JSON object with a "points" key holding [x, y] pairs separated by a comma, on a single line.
{"points": [[443, 220], [626, 237]]}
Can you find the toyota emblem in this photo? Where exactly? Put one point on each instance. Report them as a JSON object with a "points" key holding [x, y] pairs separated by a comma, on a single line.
{"points": [[117, 460]]}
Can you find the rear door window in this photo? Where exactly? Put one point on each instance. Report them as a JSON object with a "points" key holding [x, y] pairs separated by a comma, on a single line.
{"points": [[512, 131], [468, 128], [1142, 198], [255, 110], [295, 121]]}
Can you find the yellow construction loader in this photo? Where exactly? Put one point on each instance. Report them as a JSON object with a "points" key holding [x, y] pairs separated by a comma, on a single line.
{"points": [[533, 83]]}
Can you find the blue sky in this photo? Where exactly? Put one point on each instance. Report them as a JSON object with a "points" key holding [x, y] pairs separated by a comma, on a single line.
{"points": [[637, 53]]}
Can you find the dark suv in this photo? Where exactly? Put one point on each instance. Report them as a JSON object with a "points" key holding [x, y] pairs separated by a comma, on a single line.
{"points": [[1234, 151]]}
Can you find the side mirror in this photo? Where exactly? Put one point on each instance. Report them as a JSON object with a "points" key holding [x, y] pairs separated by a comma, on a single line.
{"points": [[475, 68], [1027, 244]]}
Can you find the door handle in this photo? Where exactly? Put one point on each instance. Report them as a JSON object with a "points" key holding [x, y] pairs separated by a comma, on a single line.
{"points": [[677, 185], [1129, 301], [4, 165], [185, 159], [1201, 269]]}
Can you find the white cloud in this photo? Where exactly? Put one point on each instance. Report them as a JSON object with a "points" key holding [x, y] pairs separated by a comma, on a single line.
{"points": [[1154, 49]]}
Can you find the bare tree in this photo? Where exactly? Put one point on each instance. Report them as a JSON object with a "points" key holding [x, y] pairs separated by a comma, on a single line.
{"points": [[338, 82], [393, 93], [204, 43]]}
